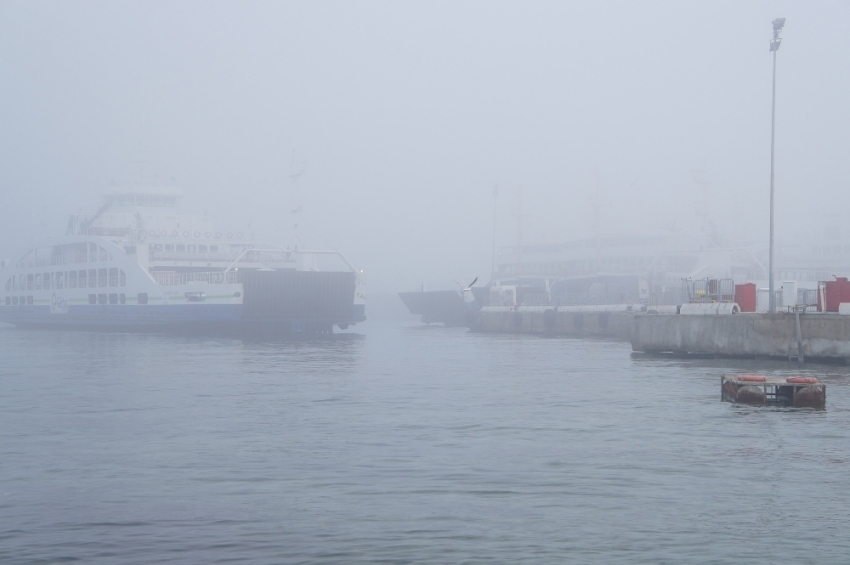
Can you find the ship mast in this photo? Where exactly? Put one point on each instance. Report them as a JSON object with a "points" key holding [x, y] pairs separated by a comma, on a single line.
{"points": [[495, 208], [296, 170], [597, 214], [519, 216]]}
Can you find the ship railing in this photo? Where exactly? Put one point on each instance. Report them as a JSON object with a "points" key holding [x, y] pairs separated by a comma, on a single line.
{"points": [[709, 290], [175, 279], [188, 256], [272, 254], [595, 299], [72, 258]]}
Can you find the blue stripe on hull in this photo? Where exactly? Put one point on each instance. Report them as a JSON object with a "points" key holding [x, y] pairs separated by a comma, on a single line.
{"points": [[114, 315], [198, 317]]}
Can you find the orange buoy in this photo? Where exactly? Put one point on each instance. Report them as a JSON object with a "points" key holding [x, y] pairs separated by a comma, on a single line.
{"points": [[801, 380], [751, 378]]}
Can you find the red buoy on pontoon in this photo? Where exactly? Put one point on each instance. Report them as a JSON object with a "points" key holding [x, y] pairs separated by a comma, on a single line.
{"points": [[801, 380], [752, 378]]}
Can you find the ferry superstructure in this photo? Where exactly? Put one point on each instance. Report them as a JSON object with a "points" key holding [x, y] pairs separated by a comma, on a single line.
{"points": [[137, 264], [626, 270]]}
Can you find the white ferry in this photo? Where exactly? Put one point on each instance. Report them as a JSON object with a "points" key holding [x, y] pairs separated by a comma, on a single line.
{"points": [[137, 264]]}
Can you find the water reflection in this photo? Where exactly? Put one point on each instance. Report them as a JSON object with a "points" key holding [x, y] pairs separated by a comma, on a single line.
{"points": [[405, 445]]}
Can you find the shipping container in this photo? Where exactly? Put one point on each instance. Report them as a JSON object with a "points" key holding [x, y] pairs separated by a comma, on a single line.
{"points": [[833, 293], [745, 296]]}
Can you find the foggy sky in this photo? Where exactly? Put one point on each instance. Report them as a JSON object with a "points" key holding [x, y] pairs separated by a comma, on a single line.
{"points": [[407, 114]]}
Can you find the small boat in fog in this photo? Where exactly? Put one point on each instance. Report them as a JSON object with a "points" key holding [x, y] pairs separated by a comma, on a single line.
{"points": [[137, 264]]}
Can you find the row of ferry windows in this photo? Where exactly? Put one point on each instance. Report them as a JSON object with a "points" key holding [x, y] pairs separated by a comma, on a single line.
{"points": [[114, 298], [67, 254], [182, 248], [92, 278]]}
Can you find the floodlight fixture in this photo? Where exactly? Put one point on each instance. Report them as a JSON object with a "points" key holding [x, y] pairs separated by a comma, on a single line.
{"points": [[778, 24]]}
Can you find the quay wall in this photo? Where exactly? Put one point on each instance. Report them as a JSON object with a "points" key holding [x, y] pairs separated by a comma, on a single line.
{"points": [[747, 334], [825, 336], [552, 321]]}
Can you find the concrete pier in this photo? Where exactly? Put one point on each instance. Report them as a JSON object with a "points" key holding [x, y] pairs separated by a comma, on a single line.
{"points": [[823, 336], [573, 321]]}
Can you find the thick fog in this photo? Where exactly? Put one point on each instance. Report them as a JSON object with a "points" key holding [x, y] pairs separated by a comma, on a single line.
{"points": [[590, 117]]}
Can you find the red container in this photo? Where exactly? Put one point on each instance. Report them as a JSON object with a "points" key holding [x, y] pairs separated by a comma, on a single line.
{"points": [[835, 292], [745, 296]]}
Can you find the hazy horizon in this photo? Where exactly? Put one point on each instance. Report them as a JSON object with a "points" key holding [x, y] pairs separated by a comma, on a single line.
{"points": [[407, 115]]}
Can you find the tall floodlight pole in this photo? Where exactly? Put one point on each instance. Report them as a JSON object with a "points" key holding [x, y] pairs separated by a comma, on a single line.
{"points": [[778, 23]]}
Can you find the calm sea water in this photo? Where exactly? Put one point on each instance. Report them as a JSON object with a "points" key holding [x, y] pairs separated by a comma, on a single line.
{"points": [[406, 445]]}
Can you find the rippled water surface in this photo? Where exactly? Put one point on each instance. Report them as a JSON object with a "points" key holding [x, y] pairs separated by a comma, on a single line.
{"points": [[406, 445]]}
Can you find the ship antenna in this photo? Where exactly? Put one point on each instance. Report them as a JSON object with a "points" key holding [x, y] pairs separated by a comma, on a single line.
{"points": [[709, 230], [519, 216], [597, 215], [296, 170], [495, 209]]}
